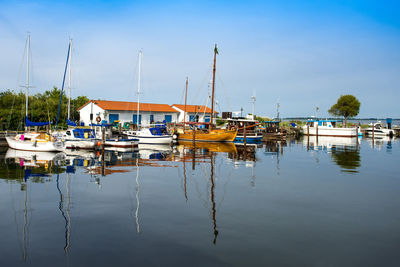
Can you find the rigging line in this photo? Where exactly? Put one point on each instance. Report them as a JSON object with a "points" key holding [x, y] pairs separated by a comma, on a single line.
{"points": [[60, 206], [15, 219], [16, 85], [183, 94], [62, 87], [201, 85], [225, 92]]}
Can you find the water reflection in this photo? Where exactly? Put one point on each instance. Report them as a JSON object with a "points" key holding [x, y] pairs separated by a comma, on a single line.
{"points": [[348, 158], [345, 152], [275, 150], [205, 201]]}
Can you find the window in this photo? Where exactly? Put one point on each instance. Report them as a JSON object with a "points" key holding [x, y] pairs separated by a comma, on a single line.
{"points": [[113, 117], [134, 119], [168, 118]]}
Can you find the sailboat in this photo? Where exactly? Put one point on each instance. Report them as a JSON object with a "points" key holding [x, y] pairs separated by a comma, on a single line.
{"points": [[75, 137], [157, 134], [33, 141], [212, 135]]}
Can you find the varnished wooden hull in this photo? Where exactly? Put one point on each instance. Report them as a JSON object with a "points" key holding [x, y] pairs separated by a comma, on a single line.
{"points": [[212, 136], [211, 146]]}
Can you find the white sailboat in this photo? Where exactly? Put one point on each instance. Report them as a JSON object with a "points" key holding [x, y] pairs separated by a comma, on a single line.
{"points": [[32, 141], [157, 134], [74, 137]]}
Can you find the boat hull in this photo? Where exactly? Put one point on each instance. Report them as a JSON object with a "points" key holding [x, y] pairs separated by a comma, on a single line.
{"points": [[80, 144], [38, 145], [249, 139], [155, 139], [212, 136], [329, 131], [379, 132], [122, 143]]}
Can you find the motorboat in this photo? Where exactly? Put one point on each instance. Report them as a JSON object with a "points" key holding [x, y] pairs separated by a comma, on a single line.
{"points": [[151, 135], [328, 128], [377, 129], [78, 138]]}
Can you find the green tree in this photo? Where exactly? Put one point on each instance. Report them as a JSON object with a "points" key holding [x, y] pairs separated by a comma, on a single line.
{"points": [[42, 107], [347, 106]]}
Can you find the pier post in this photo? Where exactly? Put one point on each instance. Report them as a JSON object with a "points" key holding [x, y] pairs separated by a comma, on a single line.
{"points": [[373, 135], [244, 136], [194, 150], [103, 141], [357, 137]]}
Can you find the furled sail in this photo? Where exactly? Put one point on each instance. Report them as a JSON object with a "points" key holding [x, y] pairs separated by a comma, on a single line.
{"points": [[31, 123]]}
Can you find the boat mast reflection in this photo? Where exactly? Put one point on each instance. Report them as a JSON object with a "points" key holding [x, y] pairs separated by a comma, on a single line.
{"points": [[213, 207]]}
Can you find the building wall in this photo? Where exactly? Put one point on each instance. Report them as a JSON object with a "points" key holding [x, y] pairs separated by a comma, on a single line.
{"points": [[127, 116], [123, 116], [84, 113], [188, 114]]}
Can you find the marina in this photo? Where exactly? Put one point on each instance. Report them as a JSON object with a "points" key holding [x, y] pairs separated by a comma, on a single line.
{"points": [[220, 203], [199, 133]]}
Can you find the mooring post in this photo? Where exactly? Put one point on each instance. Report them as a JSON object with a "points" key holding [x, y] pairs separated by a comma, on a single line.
{"points": [[194, 150], [244, 136], [373, 135], [103, 139]]}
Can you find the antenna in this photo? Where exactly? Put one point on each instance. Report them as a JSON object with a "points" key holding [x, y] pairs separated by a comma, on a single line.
{"points": [[253, 100], [277, 109]]}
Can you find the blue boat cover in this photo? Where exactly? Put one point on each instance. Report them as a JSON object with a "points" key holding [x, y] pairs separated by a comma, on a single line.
{"points": [[71, 123], [31, 123]]}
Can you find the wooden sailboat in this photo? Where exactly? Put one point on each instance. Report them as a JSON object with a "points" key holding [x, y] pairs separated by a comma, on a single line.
{"points": [[212, 135]]}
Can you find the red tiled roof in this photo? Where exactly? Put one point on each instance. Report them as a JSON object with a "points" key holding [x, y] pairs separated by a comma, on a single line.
{"points": [[131, 106], [194, 108]]}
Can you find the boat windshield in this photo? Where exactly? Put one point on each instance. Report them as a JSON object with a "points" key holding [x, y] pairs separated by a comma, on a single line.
{"points": [[158, 131]]}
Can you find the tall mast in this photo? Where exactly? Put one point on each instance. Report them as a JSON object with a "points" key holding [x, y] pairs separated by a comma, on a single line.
{"points": [[138, 90], [28, 48], [213, 86], [184, 111], [69, 81]]}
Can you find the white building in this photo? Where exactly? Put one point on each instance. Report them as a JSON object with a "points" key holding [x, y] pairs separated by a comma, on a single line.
{"points": [[126, 112], [194, 113]]}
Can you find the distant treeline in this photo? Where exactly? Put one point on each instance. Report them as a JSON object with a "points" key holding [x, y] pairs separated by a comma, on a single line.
{"points": [[41, 108]]}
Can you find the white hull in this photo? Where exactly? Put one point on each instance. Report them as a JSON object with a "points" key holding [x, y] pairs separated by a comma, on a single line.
{"points": [[39, 145], [81, 144], [30, 155], [155, 139], [121, 143], [330, 131], [380, 132], [327, 141]]}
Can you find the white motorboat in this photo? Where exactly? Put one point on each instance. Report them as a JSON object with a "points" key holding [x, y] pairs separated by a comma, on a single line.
{"points": [[378, 130], [78, 138], [328, 128], [152, 135]]}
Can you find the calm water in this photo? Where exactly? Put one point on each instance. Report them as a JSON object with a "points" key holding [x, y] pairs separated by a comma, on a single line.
{"points": [[299, 203]]}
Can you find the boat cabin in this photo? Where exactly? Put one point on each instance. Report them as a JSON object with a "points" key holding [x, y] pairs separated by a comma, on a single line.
{"points": [[81, 133], [323, 123], [239, 124]]}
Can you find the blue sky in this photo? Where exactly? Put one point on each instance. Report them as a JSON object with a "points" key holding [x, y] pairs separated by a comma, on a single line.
{"points": [[301, 53]]}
